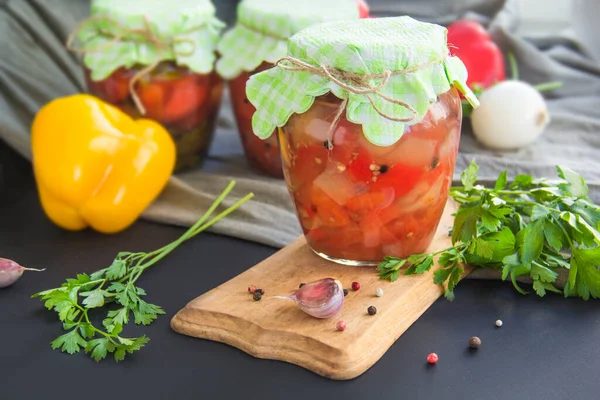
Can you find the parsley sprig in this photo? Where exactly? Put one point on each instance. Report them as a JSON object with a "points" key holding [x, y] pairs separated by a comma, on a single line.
{"points": [[116, 285], [530, 228]]}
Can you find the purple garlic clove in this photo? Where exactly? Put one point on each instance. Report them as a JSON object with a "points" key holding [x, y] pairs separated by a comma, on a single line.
{"points": [[10, 272], [321, 299]]}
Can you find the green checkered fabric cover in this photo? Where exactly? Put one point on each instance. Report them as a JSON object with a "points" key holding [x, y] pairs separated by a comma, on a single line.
{"points": [[368, 46], [263, 27], [189, 27]]}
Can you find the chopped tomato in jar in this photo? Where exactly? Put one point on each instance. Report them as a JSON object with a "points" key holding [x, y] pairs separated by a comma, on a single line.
{"points": [[262, 155], [358, 202]]}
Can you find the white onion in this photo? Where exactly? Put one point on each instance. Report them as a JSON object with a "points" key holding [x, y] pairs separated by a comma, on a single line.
{"points": [[512, 114]]}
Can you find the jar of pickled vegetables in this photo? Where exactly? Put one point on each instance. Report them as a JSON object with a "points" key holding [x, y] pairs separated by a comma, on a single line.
{"points": [[258, 40], [155, 59], [368, 116]]}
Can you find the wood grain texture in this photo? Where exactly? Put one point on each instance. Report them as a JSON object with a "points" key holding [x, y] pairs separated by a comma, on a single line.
{"points": [[276, 329]]}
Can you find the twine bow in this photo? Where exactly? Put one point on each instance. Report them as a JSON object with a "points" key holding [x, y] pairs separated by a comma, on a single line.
{"points": [[357, 84], [146, 33]]}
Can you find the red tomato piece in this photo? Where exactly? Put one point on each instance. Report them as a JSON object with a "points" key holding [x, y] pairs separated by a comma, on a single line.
{"points": [[188, 95], [345, 143], [402, 178], [307, 165], [371, 228], [330, 213], [116, 88], [361, 205], [113, 89], [307, 216], [152, 95]]}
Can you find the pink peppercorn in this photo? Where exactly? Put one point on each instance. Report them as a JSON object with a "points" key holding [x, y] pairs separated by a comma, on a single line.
{"points": [[432, 358], [355, 286], [251, 289], [340, 326]]}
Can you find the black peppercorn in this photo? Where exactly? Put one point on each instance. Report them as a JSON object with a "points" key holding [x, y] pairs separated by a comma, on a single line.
{"points": [[302, 284], [345, 292], [257, 295], [328, 145], [383, 169], [434, 163], [260, 291], [372, 310], [474, 342]]}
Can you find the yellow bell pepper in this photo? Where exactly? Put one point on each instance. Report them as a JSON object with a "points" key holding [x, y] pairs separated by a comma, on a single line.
{"points": [[95, 166]]}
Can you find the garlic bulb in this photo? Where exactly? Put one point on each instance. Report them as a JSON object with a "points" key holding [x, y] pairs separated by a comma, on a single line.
{"points": [[511, 114], [321, 299]]}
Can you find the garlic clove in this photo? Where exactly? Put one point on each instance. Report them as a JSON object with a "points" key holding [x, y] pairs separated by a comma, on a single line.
{"points": [[10, 272], [321, 299]]}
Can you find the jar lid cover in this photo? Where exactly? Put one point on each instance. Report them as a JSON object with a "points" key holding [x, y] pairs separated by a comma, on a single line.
{"points": [[387, 70], [264, 26], [143, 32]]}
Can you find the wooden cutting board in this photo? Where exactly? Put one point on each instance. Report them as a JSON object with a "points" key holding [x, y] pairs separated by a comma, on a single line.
{"points": [[276, 329]]}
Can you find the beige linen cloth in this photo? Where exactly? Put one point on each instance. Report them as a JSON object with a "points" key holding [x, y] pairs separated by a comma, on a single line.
{"points": [[35, 68]]}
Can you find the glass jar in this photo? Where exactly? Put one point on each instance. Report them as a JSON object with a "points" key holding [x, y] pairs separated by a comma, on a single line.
{"points": [[358, 202], [185, 103], [262, 155], [259, 38]]}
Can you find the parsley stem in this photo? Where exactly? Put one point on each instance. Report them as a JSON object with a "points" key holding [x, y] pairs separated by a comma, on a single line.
{"points": [[198, 227]]}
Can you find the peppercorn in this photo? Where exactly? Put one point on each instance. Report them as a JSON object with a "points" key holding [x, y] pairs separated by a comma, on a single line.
{"points": [[474, 342], [434, 163], [262, 292], [383, 169], [345, 292], [432, 358], [302, 284], [355, 286], [379, 292], [340, 326], [372, 310], [257, 296], [499, 323], [327, 144], [251, 289]]}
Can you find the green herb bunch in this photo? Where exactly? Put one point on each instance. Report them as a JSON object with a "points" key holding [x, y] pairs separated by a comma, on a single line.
{"points": [[530, 227], [117, 286]]}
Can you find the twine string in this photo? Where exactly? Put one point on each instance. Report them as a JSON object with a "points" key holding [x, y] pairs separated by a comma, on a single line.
{"points": [[358, 84], [146, 33]]}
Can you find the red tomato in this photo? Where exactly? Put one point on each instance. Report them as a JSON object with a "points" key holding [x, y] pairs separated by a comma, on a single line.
{"points": [[363, 9], [113, 89], [483, 58]]}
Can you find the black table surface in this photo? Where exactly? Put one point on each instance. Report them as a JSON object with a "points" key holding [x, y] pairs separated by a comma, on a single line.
{"points": [[547, 349]]}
